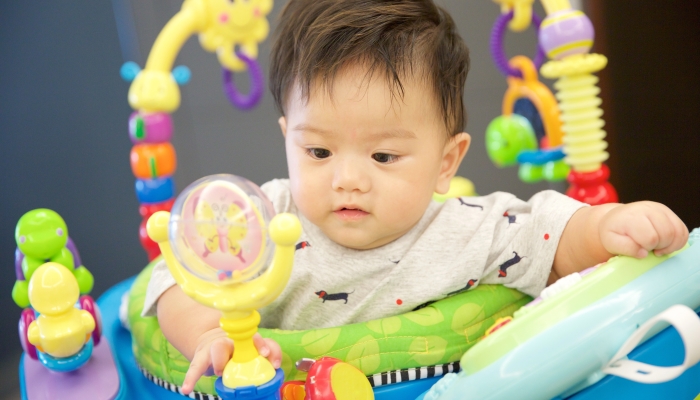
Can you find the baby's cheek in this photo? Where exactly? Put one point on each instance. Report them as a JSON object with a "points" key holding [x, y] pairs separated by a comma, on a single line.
{"points": [[309, 199], [403, 208]]}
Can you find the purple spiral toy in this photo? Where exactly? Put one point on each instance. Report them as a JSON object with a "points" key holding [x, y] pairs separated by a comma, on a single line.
{"points": [[499, 56], [250, 100]]}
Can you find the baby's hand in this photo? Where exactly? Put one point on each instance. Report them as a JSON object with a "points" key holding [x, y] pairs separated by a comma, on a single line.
{"points": [[215, 349], [635, 229]]}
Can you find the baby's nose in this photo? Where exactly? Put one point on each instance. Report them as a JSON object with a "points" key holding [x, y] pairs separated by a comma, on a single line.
{"points": [[350, 176]]}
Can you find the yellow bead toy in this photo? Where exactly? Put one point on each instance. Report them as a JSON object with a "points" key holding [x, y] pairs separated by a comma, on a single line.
{"points": [[459, 187], [61, 330]]}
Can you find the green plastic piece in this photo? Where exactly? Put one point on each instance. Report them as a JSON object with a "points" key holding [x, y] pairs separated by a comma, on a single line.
{"points": [[30, 264], [529, 322], [84, 278], [41, 233], [530, 173], [20, 293], [140, 131], [555, 171], [154, 171], [436, 334], [507, 136]]}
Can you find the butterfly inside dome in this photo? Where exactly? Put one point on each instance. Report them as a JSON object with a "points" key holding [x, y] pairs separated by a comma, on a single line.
{"points": [[223, 224]]}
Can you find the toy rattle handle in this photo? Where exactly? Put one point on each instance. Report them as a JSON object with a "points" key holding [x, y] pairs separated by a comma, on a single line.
{"points": [[686, 323], [496, 45], [77, 262], [244, 101], [19, 256]]}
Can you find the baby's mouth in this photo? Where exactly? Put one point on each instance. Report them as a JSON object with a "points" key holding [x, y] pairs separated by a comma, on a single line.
{"points": [[350, 213]]}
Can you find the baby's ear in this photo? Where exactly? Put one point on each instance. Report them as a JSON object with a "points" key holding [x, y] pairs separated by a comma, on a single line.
{"points": [[455, 150], [283, 125]]}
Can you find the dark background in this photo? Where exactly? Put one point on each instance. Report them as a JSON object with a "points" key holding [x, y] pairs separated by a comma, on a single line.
{"points": [[651, 99], [63, 113]]}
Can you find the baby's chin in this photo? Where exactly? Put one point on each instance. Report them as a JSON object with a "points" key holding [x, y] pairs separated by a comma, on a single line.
{"points": [[359, 239]]}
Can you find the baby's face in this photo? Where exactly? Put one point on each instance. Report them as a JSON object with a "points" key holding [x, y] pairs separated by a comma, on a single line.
{"points": [[363, 168]]}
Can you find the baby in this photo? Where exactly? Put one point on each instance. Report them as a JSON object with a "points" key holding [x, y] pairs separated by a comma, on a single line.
{"points": [[373, 119]]}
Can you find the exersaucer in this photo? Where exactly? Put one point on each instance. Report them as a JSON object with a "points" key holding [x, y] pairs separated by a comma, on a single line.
{"points": [[582, 329], [665, 348]]}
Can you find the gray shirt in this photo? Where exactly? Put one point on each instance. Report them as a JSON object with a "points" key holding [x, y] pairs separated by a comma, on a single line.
{"points": [[456, 246]]}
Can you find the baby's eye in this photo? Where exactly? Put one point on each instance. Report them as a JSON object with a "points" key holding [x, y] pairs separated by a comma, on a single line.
{"points": [[318, 153], [384, 158]]}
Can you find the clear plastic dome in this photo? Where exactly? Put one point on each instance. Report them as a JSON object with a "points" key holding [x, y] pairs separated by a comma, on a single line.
{"points": [[218, 229]]}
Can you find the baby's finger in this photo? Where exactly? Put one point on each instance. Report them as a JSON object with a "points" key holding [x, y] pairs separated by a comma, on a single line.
{"points": [[261, 345], [626, 246], [275, 356], [626, 233], [680, 237], [200, 363], [221, 350], [665, 231], [642, 231]]}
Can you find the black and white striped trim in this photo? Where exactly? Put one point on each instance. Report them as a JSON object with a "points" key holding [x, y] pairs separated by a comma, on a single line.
{"points": [[174, 388], [412, 374], [381, 379]]}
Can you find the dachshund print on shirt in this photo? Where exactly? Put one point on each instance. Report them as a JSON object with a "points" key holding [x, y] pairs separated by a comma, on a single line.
{"points": [[333, 296], [462, 202], [509, 263], [471, 283], [302, 245]]}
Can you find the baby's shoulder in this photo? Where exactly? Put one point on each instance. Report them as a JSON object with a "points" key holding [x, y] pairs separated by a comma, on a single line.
{"points": [[279, 194], [477, 205]]}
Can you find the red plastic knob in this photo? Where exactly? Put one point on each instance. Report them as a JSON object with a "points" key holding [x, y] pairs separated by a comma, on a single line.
{"points": [[592, 187]]}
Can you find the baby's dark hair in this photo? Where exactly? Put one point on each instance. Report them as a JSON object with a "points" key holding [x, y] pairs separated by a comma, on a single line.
{"points": [[315, 39]]}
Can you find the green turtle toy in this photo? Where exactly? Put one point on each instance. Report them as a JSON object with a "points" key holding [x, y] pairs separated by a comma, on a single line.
{"points": [[42, 236]]}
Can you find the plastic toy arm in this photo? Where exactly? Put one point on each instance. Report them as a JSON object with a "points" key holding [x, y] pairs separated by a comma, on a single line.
{"points": [[77, 261], [84, 278], [184, 24], [20, 293], [285, 229], [154, 89], [87, 321], [522, 13], [552, 6], [33, 334]]}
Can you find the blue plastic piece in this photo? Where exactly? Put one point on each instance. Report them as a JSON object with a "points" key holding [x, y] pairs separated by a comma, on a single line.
{"points": [[574, 350], [157, 190], [540, 157], [525, 107], [694, 236], [439, 388], [404, 390], [129, 70], [268, 391], [181, 74], [666, 349], [67, 364]]}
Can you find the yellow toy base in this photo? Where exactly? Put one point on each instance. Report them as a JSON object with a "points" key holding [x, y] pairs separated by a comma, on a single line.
{"points": [[254, 372]]}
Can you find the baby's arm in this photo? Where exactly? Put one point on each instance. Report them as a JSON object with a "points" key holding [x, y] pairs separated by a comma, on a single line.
{"points": [[194, 330], [594, 234]]}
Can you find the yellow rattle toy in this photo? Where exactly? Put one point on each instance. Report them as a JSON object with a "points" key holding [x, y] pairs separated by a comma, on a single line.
{"points": [[61, 331], [227, 250]]}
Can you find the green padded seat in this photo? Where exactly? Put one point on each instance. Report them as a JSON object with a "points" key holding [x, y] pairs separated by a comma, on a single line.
{"points": [[436, 334]]}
